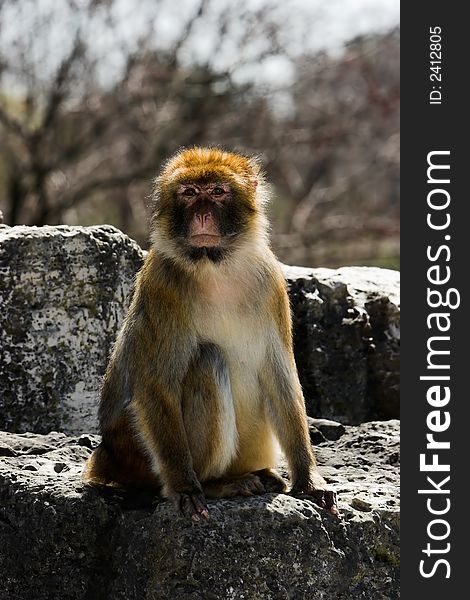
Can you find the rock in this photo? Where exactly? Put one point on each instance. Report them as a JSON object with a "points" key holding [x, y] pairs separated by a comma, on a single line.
{"points": [[331, 430], [63, 292], [361, 504], [62, 541], [347, 340], [316, 436]]}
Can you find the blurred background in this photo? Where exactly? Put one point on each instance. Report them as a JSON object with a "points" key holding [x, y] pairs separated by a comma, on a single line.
{"points": [[95, 95]]}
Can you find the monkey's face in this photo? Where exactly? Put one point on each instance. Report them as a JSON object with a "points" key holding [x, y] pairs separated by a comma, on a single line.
{"points": [[208, 205], [207, 218]]}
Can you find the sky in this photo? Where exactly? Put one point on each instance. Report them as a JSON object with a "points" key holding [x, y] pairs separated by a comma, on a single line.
{"points": [[306, 25]]}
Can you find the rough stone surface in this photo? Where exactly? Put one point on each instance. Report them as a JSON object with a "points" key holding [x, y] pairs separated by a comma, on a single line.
{"points": [[60, 541], [324, 429], [347, 340], [63, 291]]}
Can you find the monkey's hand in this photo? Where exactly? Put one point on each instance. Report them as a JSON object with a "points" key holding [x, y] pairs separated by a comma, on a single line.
{"points": [[314, 485], [191, 504]]}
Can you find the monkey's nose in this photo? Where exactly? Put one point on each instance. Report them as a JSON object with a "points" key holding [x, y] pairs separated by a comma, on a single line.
{"points": [[203, 218]]}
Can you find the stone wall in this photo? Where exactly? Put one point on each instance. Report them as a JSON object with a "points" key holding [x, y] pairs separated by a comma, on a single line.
{"points": [[61, 542], [64, 292]]}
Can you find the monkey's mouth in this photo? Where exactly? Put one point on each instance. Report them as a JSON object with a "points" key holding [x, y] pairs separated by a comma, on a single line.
{"points": [[205, 240]]}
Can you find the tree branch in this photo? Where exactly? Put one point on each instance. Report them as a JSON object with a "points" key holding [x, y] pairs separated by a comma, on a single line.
{"points": [[100, 184], [58, 87]]}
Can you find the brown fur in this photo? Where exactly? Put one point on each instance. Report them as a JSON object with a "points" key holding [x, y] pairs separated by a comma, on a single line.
{"points": [[202, 380]]}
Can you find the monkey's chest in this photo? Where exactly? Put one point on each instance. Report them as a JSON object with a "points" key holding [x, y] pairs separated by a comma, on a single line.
{"points": [[240, 337], [243, 341]]}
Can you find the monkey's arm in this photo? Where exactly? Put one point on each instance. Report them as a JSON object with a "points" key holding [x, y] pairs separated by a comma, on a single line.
{"points": [[153, 354], [157, 409], [288, 416], [286, 405]]}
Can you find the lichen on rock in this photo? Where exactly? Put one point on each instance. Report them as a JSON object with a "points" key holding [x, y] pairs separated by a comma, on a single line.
{"points": [[61, 541], [65, 290], [347, 341], [63, 293]]}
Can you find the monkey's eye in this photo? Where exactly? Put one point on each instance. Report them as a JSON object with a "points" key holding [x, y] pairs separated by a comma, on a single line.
{"points": [[189, 192], [218, 191]]}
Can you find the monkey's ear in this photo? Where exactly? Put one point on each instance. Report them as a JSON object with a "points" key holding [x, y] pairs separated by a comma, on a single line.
{"points": [[155, 197], [256, 175], [258, 181]]}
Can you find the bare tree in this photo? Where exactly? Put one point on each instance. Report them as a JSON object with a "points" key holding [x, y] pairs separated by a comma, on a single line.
{"points": [[85, 125], [337, 160], [68, 138]]}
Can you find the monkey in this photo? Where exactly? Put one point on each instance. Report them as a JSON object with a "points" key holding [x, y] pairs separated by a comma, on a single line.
{"points": [[202, 387]]}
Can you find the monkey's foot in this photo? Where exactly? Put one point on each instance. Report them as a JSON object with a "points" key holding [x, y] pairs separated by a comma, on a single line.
{"points": [[191, 505], [271, 480], [244, 485], [322, 493]]}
